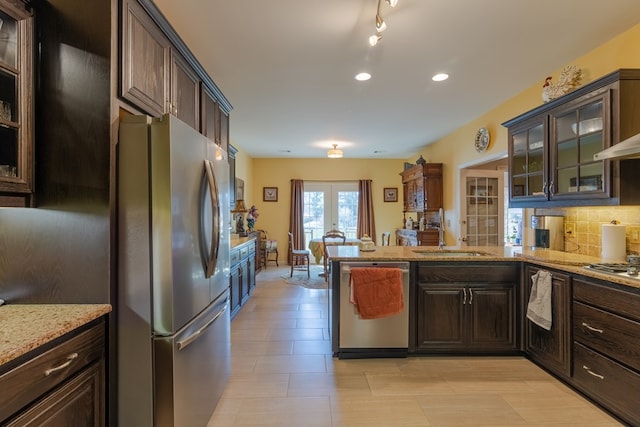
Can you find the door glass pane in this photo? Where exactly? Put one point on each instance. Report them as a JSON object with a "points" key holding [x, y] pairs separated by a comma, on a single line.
{"points": [[535, 161], [590, 119], [8, 152], [536, 137], [8, 96], [566, 153], [591, 177], [8, 40], [348, 212], [535, 186], [313, 216], [589, 145], [566, 182], [565, 126]]}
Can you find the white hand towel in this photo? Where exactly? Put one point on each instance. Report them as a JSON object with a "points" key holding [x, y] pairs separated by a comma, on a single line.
{"points": [[539, 308]]}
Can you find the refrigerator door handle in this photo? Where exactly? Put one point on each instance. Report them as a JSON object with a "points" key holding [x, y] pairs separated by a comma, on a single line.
{"points": [[215, 219], [182, 344]]}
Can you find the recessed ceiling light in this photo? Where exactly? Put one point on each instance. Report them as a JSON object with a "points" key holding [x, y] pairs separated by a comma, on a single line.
{"points": [[440, 77], [363, 77]]}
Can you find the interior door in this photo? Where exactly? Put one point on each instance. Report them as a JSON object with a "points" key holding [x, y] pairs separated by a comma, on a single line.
{"points": [[482, 208]]}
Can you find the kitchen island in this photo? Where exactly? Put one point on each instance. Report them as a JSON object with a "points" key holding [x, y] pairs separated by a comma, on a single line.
{"points": [[474, 300]]}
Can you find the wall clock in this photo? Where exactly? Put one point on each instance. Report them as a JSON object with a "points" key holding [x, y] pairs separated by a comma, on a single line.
{"points": [[482, 140]]}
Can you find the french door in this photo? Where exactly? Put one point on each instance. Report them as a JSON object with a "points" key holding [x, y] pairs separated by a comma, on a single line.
{"points": [[482, 208], [330, 205]]}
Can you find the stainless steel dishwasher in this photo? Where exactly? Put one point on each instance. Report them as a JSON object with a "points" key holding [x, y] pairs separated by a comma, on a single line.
{"points": [[385, 337]]}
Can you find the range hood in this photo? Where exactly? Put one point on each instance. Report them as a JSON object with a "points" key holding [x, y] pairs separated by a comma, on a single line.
{"points": [[627, 149]]}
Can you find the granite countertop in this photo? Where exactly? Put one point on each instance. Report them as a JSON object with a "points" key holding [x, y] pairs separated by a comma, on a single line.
{"points": [[24, 327], [240, 240], [565, 261]]}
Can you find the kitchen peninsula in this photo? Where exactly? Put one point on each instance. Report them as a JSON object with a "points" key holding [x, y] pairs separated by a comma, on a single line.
{"points": [[473, 300]]}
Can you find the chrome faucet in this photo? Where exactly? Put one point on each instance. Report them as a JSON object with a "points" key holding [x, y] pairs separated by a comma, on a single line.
{"points": [[441, 242]]}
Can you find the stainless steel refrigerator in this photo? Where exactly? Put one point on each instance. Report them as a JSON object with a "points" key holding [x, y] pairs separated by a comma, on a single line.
{"points": [[173, 322]]}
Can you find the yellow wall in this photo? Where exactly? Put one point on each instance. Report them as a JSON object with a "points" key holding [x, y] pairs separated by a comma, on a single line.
{"points": [[274, 216], [454, 151], [457, 148]]}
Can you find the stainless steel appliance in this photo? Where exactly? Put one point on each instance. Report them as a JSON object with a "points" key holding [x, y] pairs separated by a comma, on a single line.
{"points": [[173, 322], [548, 232], [388, 336], [629, 269]]}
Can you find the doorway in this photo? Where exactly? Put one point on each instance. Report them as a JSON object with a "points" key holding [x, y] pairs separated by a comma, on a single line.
{"points": [[330, 205], [485, 216]]}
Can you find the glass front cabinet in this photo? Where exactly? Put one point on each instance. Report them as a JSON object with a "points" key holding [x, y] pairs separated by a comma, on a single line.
{"points": [[551, 148], [16, 109]]}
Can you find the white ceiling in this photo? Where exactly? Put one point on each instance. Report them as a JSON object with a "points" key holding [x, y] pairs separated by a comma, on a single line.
{"points": [[287, 66]]}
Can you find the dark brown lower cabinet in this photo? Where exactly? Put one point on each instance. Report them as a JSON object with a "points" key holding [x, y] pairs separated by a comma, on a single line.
{"points": [[466, 308], [550, 349], [79, 402], [606, 346], [242, 279], [63, 385]]}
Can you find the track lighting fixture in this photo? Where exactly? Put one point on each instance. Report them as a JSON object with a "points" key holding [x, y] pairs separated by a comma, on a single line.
{"points": [[380, 24], [334, 153]]}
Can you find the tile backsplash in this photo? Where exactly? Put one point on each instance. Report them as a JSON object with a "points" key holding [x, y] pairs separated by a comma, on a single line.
{"points": [[588, 227]]}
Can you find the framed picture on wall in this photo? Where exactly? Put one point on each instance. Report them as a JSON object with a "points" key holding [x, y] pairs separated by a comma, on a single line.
{"points": [[391, 194], [269, 194]]}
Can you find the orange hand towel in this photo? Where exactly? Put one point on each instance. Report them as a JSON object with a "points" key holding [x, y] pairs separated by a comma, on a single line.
{"points": [[377, 292]]}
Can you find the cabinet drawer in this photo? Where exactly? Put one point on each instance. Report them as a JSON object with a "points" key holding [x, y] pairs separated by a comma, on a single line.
{"points": [[37, 376], [612, 335], [610, 383], [471, 273], [244, 251], [234, 258], [607, 297]]}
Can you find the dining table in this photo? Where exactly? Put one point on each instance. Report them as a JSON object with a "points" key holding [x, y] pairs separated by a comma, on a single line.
{"points": [[316, 246]]}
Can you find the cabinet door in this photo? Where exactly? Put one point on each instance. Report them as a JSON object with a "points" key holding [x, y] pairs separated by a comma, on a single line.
{"points": [[492, 316], [235, 288], [528, 161], [440, 316], [79, 402], [432, 187], [577, 132], [145, 61], [223, 119], [551, 349], [185, 91], [16, 105]]}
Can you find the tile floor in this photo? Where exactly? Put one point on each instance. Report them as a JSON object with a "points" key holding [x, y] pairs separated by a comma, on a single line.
{"points": [[283, 374]]}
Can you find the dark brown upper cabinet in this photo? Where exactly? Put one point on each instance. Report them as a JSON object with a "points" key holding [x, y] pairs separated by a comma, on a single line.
{"points": [[16, 104], [551, 147]]}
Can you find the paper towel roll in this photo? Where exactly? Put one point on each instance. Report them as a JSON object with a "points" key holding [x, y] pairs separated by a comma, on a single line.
{"points": [[614, 245]]}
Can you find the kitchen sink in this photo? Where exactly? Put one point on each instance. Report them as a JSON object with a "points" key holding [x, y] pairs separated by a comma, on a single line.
{"points": [[449, 253]]}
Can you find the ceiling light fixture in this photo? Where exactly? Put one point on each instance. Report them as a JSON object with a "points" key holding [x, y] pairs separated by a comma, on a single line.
{"points": [[380, 24], [363, 77], [334, 153], [440, 77]]}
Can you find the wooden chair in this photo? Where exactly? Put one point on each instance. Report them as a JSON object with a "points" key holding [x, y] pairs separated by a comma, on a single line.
{"points": [[299, 257], [268, 248], [331, 238], [385, 238]]}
